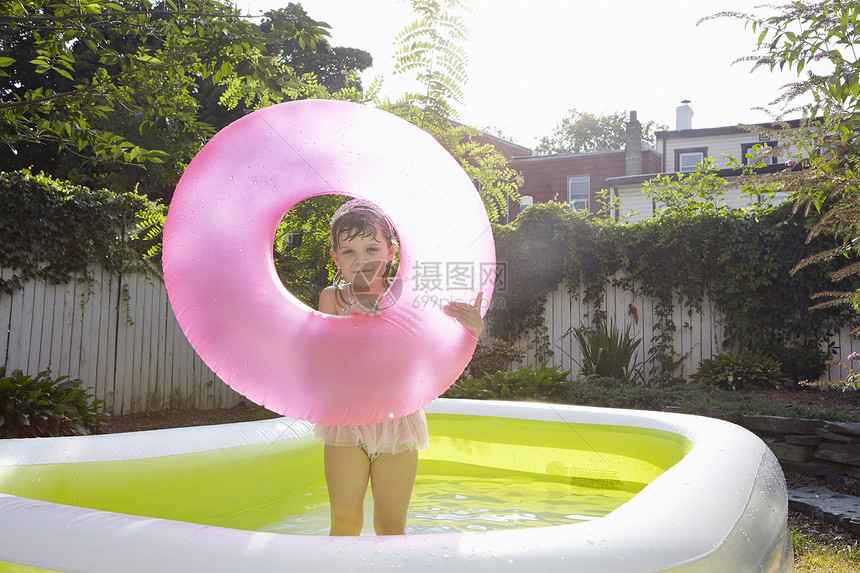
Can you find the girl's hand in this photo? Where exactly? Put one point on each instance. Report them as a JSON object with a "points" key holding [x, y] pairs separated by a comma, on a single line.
{"points": [[468, 315]]}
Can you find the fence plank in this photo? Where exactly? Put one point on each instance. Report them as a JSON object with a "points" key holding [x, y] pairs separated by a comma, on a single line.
{"points": [[139, 383], [22, 316], [148, 384], [124, 349], [177, 379], [101, 320], [159, 327], [5, 317], [111, 303], [37, 312], [75, 326], [55, 341], [90, 333]]}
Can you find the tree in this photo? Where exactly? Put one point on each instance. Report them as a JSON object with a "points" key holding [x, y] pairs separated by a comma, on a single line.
{"points": [[323, 71], [432, 48], [818, 40], [581, 132], [136, 63], [174, 45], [301, 248], [335, 68], [156, 112]]}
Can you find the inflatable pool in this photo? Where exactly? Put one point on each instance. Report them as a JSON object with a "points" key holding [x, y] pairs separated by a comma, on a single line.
{"points": [[503, 487]]}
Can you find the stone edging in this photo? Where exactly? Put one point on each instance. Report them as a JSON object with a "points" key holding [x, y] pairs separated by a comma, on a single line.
{"points": [[813, 447]]}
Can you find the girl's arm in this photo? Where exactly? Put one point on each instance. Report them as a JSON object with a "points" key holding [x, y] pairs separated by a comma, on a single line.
{"points": [[468, 315], [328, 302]]}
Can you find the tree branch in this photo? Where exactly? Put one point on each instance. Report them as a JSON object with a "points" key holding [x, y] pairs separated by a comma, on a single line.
{"points": [[25, 19], [22, 103]]}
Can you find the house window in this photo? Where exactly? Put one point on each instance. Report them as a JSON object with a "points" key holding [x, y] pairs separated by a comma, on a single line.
{"points": [[579, 192], [687, 159], [756, 150]]}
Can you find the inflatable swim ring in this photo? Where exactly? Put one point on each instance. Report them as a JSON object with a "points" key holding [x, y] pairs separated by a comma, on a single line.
{"points": [[259, 338]]}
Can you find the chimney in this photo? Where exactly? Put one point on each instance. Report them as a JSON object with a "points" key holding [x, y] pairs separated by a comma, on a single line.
{"points": [[684, 116], [633, 147]]}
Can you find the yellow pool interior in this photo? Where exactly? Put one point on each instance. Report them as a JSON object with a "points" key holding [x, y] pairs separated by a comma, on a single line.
{"points": [[479, 473]]}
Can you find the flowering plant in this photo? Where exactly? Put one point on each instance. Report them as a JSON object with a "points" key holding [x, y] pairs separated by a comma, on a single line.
{"points": [[852, 380]]}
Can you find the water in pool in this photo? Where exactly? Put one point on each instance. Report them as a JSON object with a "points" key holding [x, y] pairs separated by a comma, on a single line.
{"points": [[449, 504]]}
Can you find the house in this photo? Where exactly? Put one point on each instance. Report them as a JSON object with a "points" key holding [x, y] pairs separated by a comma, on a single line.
{"points": [[577, 178], [681, 150]]}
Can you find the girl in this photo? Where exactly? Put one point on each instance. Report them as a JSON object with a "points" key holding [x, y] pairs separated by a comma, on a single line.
{"points": [[385, 454]]}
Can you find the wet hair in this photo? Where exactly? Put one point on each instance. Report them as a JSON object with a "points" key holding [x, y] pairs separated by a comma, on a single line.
{"points": [[359, 218]]}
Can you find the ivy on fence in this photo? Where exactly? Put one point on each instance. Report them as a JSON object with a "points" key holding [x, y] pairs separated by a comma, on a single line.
{"points": [[740, 259], [54, 231]]}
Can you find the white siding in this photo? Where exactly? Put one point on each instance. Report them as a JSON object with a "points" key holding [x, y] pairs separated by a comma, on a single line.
{"points": [[634, 203], [719, 148], [634, 199]]}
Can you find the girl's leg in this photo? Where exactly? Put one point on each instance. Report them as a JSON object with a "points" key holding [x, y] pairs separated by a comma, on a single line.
{"points": [[347, 470], [391, 479]]}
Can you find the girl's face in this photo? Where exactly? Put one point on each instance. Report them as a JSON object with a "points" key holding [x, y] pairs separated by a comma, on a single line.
{"points": [[363, 259]]}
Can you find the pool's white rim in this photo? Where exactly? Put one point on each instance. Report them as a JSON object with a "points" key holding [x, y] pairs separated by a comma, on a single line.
{"points": [[721, 506]]}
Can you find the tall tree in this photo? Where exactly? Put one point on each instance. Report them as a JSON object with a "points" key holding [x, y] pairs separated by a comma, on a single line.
{"points": [[335, 68], [432, 47], [581, 132], [162, 96], [819, 41], [174, 45]]}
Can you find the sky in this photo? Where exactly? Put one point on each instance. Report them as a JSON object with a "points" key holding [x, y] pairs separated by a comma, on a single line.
{"points": [[530, 62]]}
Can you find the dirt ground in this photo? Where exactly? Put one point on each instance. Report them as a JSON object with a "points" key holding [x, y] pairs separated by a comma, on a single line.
{"points": [[184, 418], [848, 402], [819, 399]]}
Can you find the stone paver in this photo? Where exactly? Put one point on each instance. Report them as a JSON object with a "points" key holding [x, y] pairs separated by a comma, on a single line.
{"points": [[827, 505]]}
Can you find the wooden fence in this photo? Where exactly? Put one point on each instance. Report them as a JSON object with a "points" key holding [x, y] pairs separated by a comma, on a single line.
{"points": [[698, 336], [118, 335]]}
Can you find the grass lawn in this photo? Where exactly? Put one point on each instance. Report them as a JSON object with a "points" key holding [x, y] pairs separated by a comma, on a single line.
{"points": [[820, 548]]}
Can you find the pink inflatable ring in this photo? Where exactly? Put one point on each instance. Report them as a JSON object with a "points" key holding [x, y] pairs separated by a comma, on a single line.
{"points": [[264, 342]]}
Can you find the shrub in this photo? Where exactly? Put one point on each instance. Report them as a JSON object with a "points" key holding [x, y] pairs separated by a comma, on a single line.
{"points": [[489, 359], [607, 352], [546, 383], [41, 406], [804, 362], [747, 370]]}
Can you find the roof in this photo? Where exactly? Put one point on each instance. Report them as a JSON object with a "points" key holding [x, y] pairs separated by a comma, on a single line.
{"points": [[725, 172], [721, 131], [567, 155], [493, 137]]}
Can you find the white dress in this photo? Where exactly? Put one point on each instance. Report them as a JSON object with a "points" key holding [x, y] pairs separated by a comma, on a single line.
{"points": [[388, 437]]}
